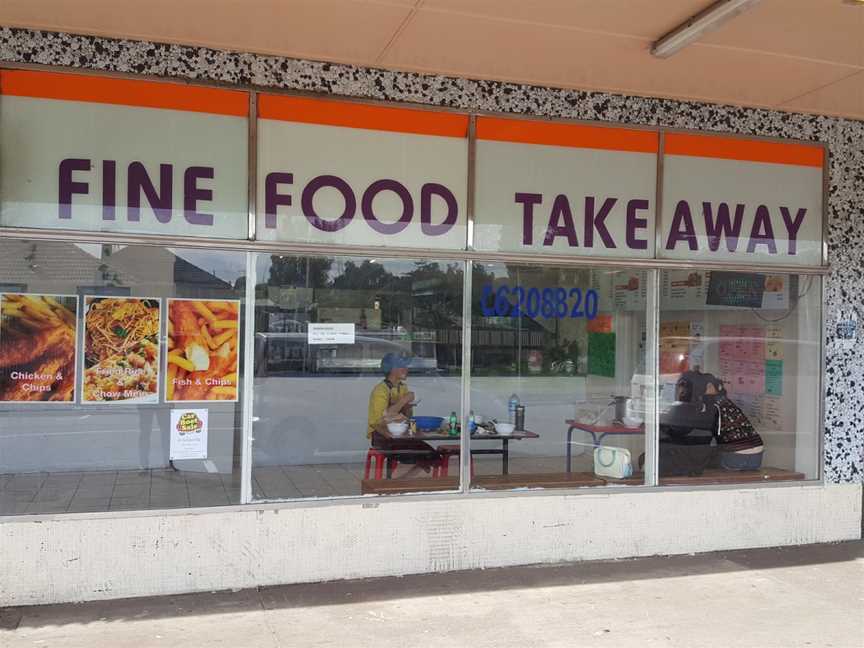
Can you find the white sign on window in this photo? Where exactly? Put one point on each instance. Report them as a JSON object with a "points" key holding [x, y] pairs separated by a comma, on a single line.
{"points": [[572, 189], [188, 434], [115, 155], [337, 172], [331, 333], [732, 199]]}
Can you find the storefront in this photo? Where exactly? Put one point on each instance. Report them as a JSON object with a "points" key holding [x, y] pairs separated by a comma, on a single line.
{"points": [[199, 285]]}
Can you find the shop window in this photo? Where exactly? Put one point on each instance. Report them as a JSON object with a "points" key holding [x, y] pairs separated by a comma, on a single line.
{"points": [[119, 375], [328, 332], [740, 366], [559, 353]]}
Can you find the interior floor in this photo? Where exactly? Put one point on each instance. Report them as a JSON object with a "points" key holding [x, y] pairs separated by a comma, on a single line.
{"points": [[165, 488]]}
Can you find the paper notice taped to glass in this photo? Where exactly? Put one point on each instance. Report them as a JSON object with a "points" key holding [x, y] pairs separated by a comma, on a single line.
{"points": [[331, 333], [188, 434]]}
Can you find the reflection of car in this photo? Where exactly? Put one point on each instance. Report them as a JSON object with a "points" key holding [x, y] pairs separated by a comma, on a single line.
{"points": [[292, 353]]}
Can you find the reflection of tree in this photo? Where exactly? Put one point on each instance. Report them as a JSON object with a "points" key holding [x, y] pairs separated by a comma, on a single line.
{"points": [[368, 275], [292, 271], [437, 295]]}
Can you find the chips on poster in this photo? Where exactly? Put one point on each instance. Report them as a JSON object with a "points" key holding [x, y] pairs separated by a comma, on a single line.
{"points": [[38, 335], [203, 338], [188, 434], [121, 350]]}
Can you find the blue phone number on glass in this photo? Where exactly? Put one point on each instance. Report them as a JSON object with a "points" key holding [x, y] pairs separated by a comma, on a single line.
{"points": [[546, 303]]}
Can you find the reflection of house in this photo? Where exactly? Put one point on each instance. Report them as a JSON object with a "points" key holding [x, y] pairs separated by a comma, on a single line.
{"points": [[54, 266], [158, 270], [51, 266]]}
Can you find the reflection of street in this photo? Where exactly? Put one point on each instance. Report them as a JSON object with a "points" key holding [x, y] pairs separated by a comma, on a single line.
{"points": [[146, 417], [113, 437]]}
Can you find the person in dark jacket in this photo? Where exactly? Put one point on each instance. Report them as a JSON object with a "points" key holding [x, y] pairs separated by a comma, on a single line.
{"points": [[740, 446]]}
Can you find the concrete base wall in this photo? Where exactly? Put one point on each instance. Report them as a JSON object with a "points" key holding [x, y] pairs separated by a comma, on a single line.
{"points": [[102, 556]]}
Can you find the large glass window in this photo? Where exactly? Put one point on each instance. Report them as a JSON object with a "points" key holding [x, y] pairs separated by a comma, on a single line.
{"points": [[345, 346], [740, 366], [558, 376], [119, 375]]}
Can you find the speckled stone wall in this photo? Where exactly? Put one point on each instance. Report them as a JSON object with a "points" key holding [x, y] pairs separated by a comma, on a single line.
{"points": [[844, 291]]}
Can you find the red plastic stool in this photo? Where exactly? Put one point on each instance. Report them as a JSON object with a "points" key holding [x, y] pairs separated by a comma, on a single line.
{"points": [[380, 461], [447, 451]]}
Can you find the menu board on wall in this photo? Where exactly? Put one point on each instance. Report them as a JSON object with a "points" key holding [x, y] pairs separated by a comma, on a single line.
{"points": [[683, 289], [629, 291], [719, 290], [203, 343], [339, 172], [122, 155], [736, 289], [38, 337], [742, 359], [121, 350]]}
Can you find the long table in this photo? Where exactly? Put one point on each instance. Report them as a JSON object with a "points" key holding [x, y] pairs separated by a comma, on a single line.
{"points": [[441, 435]]}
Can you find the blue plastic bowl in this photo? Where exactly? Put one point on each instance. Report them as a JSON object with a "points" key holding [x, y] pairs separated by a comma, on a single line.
{"points": [[428, 422]]}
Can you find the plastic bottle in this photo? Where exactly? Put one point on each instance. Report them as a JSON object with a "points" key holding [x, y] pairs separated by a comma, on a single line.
{"points": [[471, 424], [511, 408], [454, 422]]}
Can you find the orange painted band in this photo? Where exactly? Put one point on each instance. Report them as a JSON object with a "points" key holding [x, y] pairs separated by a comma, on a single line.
{"points": [[355, 115], [573, 135], [123, 92], [731, 148]]}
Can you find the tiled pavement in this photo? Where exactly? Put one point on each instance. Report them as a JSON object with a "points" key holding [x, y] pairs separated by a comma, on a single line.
{"points": [[80, 492]]}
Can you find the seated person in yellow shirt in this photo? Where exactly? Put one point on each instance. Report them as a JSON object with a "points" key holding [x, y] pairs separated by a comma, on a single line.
{"points": [[390, 401]]}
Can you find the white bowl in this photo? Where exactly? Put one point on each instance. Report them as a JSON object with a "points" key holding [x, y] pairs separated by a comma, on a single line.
{"points": [[397, 429], [504, 429]]}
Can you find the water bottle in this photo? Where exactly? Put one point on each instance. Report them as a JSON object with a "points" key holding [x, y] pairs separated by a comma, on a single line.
{"points": [[454, 422], [511, 408], [472, 425]]}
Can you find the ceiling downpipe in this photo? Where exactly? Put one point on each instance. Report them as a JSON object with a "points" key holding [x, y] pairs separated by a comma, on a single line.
{"points": [[697, 26]]}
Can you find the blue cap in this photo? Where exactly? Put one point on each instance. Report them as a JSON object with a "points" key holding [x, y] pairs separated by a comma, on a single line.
{"points": [[393, 361]]}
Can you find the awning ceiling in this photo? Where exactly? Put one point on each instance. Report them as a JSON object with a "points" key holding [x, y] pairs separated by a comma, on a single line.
{"points": [[797, 55]]}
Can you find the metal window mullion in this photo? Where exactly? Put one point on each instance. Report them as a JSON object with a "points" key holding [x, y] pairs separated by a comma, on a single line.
{"points": [[652, 365], [252, 165], [465, 437], [248, 381], [249, 312]]}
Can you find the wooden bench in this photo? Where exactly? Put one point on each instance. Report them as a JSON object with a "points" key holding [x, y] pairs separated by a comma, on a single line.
{"points": [[716, 476], [486, 482]]}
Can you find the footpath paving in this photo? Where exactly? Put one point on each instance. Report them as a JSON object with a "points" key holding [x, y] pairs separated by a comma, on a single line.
{"points": [[785, 597]]}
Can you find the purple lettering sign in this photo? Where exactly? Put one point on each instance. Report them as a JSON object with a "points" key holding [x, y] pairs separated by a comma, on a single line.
{"points": [[160, 201], [68, 187], [308, 207], [192, 193], [369, 214]]}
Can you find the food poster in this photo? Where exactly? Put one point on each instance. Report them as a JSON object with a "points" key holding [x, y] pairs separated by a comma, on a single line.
{"points": [[38, 335], [674, 346], [203, 342], [121, 350]]}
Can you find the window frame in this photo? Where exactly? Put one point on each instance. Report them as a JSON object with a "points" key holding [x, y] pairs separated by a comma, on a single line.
{"points": [[467, 256]]}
